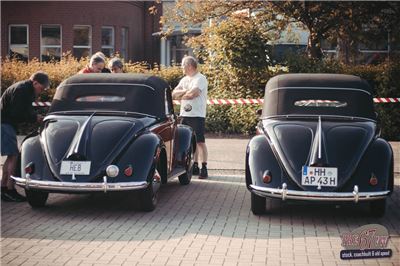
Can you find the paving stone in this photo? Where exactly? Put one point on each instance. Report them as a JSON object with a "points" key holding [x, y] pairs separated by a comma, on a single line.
{"points": [[208, 222]]}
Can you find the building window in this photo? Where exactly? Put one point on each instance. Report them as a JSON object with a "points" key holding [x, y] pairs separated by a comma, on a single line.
{"points": [[179, 49], [19, 42], [82, 41], [374, 48], [124, 43], [107, 41], [50, 43]]}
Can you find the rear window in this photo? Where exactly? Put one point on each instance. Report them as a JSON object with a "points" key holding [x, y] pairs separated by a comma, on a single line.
{"points": [[100, 98], [320, 103]]}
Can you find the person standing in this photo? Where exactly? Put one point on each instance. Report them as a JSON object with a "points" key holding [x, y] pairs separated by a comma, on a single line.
{"points": [[16, 107], [192, 92]]}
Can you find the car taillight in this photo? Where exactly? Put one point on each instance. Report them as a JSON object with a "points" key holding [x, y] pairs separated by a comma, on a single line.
{"points": [[373, 180], [30, 168], [267, 176], [128, 170]]}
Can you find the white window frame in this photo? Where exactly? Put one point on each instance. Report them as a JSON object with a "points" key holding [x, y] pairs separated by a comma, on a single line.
{"points": [[82, 46], [50, 46], [18, 45], [112, 46], [126, 55]]}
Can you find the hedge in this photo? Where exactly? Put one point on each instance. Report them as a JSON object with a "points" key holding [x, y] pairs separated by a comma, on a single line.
{"points": [[238, 119]]}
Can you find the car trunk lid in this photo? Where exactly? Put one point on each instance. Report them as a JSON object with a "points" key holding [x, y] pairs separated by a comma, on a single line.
{"points": [[94, 140], [323, 144]]}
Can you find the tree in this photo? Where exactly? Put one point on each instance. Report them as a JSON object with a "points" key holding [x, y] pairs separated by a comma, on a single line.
{"points": [[361, 22], [317, 17], [325, 20]]}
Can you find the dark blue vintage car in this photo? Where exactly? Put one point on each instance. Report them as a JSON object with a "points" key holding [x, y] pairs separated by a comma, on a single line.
{"points": [[318, 140], [107, 132]]}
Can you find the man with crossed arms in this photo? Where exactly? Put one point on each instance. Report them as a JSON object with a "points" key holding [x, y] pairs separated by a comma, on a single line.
{"points": [[192, 92]]}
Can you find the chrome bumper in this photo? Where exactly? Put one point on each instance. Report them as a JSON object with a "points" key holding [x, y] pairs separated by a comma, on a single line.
{"points": [[29, 183], [283, 193]]}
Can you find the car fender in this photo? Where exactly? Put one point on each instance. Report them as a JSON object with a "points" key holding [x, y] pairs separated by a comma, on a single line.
{"points": [[184, 139], [260, 158], [377, 161], [32, 152], [142, 154]]}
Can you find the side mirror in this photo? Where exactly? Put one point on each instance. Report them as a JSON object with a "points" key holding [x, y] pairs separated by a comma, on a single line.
{"points": [[258, 112]]}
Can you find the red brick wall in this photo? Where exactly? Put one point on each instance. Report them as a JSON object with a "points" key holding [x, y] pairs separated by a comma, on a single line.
{"points": [[133, 15]]}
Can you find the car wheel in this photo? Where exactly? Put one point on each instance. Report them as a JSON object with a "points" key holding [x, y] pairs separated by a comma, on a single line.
{"points": [[377, 208], [148, 199], [257, 204], [184, 179], [149, 196], [36, 199]]}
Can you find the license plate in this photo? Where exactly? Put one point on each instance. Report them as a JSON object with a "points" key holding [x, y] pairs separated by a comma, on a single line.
{"points": [[75, 167], [319, 176]]}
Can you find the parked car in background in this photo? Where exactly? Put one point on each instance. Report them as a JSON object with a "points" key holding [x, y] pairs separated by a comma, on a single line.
{"points": [[107, 133], [318, 140]]}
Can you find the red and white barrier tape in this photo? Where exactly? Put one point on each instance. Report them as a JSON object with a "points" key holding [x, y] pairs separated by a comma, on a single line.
{"points": [[386, 100], [238, 101]]}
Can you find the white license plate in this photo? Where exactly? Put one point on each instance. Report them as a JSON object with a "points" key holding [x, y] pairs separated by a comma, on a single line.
{"points": [[319, 176], [75, 167]]}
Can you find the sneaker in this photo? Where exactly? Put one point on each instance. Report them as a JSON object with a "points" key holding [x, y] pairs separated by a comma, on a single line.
{"points": [[196, 169], [203, 172], [12, 195]]}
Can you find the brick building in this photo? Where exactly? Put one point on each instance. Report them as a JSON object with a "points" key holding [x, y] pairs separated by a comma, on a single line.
{"points": [[48, 29]]}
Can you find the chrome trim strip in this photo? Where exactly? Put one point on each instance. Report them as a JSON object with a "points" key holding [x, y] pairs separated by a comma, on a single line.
{"points": [[314, 116], [177, 174], [284, 194], [29, 183], [319, 137], [109, 83], [319, 88]]}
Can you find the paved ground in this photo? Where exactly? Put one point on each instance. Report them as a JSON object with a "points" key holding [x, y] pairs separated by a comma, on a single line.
{"points": [[208, 222]]}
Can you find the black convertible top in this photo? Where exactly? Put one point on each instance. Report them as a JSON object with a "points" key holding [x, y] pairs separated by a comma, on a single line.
{"points": [[291, 94], [116, 92]]}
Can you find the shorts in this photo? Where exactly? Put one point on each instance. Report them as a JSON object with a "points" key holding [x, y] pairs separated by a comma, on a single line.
{"points": [[9, 145], [198, 124]]}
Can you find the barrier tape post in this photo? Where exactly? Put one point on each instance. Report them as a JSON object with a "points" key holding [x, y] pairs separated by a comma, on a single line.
{"points": [[236, 101]]}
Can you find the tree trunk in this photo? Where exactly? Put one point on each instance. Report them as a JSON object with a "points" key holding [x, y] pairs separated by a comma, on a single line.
{"points": [[314, 46], [343, 51]]}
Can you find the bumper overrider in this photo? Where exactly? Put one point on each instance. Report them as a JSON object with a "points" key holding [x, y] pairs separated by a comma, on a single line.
{"points": [[284, 193], [104, 186]]}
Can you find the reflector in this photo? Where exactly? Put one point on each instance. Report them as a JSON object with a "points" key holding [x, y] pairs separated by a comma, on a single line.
{"points": [[267, 176], [30, 168], [373, 180], [128, 170]]}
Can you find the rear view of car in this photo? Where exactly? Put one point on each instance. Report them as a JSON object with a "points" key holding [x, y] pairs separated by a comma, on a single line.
{"points": [[107, 133], [317, 140]]}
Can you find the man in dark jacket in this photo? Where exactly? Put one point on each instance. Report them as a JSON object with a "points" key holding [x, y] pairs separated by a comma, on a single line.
{"points": [[16, 107]]}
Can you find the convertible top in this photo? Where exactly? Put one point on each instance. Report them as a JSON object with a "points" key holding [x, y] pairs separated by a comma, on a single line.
{"points": [[115, 92], [291, 94]]}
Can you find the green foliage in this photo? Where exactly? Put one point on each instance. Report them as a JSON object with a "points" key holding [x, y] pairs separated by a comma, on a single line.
{"points": [[232, 119], [237, 57], [227, 83], [237, 65]]}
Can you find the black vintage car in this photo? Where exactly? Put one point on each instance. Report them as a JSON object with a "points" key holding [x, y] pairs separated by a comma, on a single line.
{"points": [[318, 140], [107, 132]]}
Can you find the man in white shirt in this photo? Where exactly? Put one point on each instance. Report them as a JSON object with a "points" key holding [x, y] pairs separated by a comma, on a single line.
{"points": [[192, 92]]}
